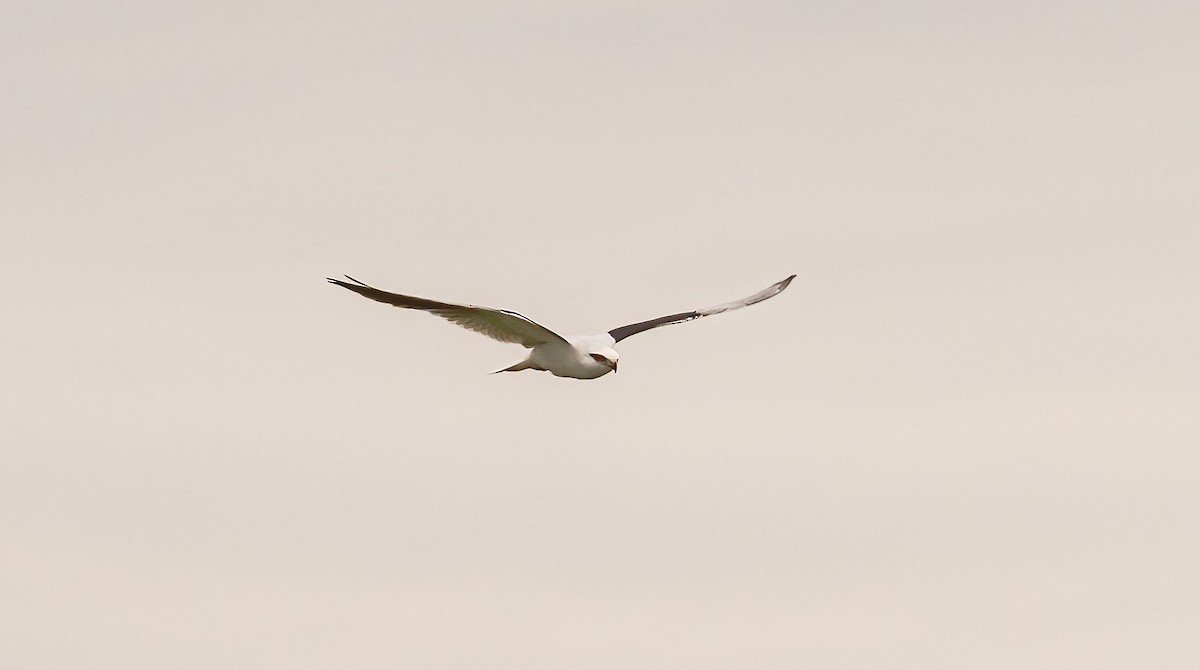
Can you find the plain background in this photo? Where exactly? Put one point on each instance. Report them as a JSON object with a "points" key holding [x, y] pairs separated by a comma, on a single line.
{"points": [[966, 437]]}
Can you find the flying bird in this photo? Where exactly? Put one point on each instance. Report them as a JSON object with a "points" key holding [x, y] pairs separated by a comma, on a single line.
{"points": [[580, 357]]}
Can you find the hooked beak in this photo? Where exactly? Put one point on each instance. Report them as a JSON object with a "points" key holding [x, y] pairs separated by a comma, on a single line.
{"points": [[614, 366]]}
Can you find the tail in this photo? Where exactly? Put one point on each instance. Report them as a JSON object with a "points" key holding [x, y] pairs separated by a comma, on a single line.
{"points": [[523, 365]]}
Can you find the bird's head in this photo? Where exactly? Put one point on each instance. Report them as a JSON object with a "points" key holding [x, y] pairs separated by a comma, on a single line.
{"points": [[605, 356]]}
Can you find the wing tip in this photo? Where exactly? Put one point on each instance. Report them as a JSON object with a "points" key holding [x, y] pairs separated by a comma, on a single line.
{"points": [[339, 282]]}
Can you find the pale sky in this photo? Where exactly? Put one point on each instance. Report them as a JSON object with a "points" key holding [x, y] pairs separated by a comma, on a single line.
{"points": [[968, 436]]}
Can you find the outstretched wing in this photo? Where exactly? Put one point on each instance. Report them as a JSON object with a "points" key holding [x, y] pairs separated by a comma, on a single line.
{"points": [[623, 332], [498, 324]]}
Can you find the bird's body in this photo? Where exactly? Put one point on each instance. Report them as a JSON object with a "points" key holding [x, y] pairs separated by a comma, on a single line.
{"points": [[568, 359], [578, 357]]}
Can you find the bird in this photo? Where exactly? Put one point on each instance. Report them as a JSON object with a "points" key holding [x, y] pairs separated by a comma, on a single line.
{"points": [[578, 357]]}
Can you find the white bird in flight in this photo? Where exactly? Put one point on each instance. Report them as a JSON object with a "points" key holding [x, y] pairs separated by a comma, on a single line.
{"points": [[580, 357]]}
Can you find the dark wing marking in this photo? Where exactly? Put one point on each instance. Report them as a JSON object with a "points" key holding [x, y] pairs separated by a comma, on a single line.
{"points": [[775, 289], [498, 324]]}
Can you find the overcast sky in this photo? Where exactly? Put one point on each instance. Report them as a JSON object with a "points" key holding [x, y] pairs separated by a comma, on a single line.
{"points": [[968, 436]]}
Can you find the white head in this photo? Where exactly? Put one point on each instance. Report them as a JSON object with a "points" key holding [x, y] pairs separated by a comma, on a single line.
{"points": [[605, 356]]}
